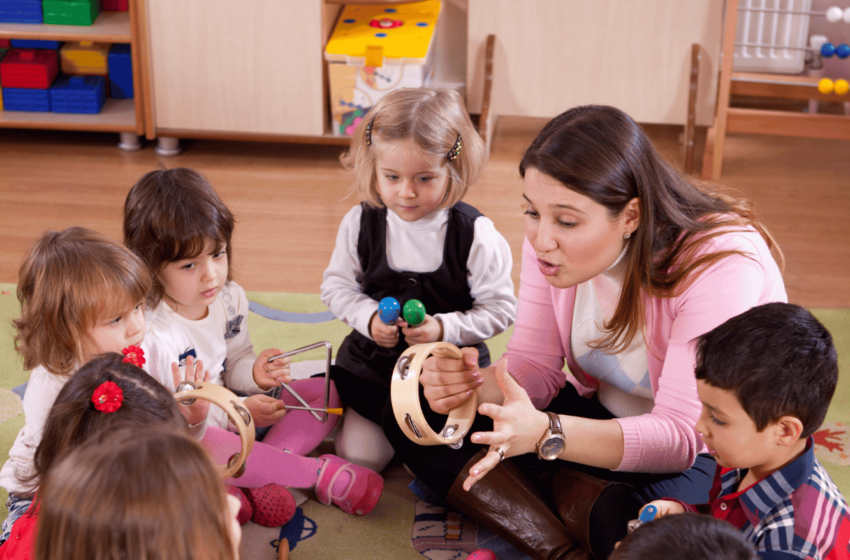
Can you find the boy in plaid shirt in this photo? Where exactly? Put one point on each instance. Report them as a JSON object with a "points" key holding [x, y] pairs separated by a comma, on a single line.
{"points": [[765, 379]]}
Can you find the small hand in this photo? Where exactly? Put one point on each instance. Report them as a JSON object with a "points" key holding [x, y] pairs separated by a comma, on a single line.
{"points": [[665, 507], [271, 374], [517, 426], [447, 382], [265, 410], [385, 335], [196, 412], [429, 330]]}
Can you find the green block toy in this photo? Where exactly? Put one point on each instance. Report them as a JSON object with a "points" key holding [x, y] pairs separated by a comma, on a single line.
{"points": [[70, 12]]}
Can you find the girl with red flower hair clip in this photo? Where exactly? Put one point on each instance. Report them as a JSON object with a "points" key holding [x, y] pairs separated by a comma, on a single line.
{"points": [[81, 294]]}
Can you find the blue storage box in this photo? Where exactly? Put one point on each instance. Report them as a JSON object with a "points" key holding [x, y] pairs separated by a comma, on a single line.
{"points": [[22, 99], [78, 94], [21, 11], [120, 66], [33, 43]]}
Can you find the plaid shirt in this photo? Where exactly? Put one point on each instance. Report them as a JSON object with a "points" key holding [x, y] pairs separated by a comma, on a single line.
{"points": [[797, 512]]}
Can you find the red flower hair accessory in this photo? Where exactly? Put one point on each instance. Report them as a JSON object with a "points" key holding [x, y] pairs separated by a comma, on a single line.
{"points": [[134, 355], [108, 397]]}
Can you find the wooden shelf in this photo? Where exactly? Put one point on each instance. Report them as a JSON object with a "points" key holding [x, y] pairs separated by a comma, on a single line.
{"points": [[117, 115], [109, 27]]}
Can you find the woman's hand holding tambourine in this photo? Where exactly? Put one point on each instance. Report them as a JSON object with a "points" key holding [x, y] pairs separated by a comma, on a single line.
{"points": [[449, 381]]}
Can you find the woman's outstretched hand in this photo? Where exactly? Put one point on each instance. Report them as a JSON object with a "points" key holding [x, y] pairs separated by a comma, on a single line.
{"points": [[448, 382], [517, 426]]}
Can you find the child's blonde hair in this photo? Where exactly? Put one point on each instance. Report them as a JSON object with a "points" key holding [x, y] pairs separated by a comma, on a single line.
{"points": [[435, 119], [136, 495], [68, 280]]}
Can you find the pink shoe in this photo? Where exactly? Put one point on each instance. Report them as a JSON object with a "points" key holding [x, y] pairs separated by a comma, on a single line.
{"points": [[245, 509], [482, 554], [362, 493], [273, 504]]}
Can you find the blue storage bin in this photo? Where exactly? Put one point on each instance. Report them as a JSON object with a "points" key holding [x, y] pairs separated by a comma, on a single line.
{"points": [[21, 11], [120, 66], [78, 94], [23, 99], [33, 43]]}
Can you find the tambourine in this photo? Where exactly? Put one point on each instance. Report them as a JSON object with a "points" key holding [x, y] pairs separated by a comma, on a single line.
{"points": [[188, 391], [404, 392]]}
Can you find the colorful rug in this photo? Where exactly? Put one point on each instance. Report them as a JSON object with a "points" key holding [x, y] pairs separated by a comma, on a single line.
{"points": [[402, 526]]}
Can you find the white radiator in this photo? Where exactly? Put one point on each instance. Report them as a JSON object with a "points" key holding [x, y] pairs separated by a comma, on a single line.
{"points": [[771, 25]]}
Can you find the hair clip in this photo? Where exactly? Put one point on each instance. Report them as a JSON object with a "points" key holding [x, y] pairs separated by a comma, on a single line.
{"points": [[455, 151], [369, 132], [134, 355], [107, 397]]}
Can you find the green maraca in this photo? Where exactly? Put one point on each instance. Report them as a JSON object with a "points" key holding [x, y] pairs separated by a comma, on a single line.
{"points": [[414, 312]]}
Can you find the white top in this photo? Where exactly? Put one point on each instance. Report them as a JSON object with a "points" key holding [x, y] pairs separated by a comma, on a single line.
{"points": [[624, 386], [42, 389], [220, 339], [418, 247]]}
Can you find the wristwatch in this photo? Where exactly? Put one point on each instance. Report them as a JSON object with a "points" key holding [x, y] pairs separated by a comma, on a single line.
{"points": [[553, 442]]}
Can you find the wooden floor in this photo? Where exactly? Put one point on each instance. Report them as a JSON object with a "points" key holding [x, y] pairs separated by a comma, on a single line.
{"points": [[289, 199]]}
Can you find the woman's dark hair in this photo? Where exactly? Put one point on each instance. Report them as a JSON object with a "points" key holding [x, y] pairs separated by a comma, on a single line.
{"points": [[73, 418], [601, 153], [175, 214]]}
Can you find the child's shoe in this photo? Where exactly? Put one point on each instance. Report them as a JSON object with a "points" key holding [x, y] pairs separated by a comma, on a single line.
{"points": [[245, 509], [273, 504], [482, 554], [359, 494]]}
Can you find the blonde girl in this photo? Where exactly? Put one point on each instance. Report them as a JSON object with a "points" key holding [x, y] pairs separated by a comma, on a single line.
{"points": [[413, 158], [81, 294]]}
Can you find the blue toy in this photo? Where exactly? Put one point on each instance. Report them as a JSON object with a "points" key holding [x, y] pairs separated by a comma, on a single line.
{"points": [[21, 11], [842, 51], [34, 44], [389, 310], [78, 94], [26, 99], [120, 72], [827, 50], [648, 514]]}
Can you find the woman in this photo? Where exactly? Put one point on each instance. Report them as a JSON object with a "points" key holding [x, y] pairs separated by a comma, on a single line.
{"points": [[625, 261]]}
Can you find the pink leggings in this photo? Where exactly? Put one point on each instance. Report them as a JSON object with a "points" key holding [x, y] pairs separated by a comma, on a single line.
{"points": [[279, 458]]}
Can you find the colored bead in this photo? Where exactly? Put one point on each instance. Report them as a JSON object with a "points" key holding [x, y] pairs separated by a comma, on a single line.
{"points": [[825, 86], [841, 87], [827, 50], [834, 14], [388, 310], [414, 312], [842, 51]]}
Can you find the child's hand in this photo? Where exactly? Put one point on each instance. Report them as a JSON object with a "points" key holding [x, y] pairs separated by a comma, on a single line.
{"points": [[385, 335], [430, 330], [665, 507], [265, 410], [271, 374], [196, 412]]}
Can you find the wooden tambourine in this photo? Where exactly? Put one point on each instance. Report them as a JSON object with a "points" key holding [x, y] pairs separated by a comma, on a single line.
{"points": [[188, 391], [405, 398]]}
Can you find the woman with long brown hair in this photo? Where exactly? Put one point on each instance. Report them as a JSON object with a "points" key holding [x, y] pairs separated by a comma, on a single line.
{"points": [[626, 260]]}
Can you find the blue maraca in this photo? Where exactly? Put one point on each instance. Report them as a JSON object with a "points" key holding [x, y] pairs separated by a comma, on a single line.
{"points": [[389, 310]]}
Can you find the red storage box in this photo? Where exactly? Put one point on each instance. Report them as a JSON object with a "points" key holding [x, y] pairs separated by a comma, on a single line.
{"points": [[29, 68]]}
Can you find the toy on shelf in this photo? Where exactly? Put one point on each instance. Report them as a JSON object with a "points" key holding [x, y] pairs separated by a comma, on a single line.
{"points": [[389, 310], [71, 12], [375, 49], [838, 87], [414, 312], [120, 66], [21, 11], [34, 44], [29, 68], [5, 44], [26, 99], [84, 58], [78, 94], [115, 5]]}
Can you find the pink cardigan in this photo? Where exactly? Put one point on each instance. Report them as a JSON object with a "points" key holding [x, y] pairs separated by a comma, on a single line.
{"points": [[665, 439]]}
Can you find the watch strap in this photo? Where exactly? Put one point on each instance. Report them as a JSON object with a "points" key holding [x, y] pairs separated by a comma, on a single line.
{"points": [[554, 423]]}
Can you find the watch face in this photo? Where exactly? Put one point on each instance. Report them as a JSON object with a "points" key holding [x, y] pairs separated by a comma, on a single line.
{"points": [[551, 448]]}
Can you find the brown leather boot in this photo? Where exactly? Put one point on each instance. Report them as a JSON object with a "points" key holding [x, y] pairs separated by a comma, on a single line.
{"points": [[595, 512], [509, 504]]}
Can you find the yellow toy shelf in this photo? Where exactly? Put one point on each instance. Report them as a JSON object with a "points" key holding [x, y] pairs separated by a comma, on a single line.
{"points": [[372, 35]]}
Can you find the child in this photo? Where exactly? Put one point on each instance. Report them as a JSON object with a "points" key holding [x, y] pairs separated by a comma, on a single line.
{"points": [[177, 224], [130, 396], [685, 537], [413, 158], [81, 294], [765, 379], [136, 495]]}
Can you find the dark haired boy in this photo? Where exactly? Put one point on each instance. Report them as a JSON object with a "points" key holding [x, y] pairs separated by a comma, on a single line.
{"points": [[765, 379]]}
